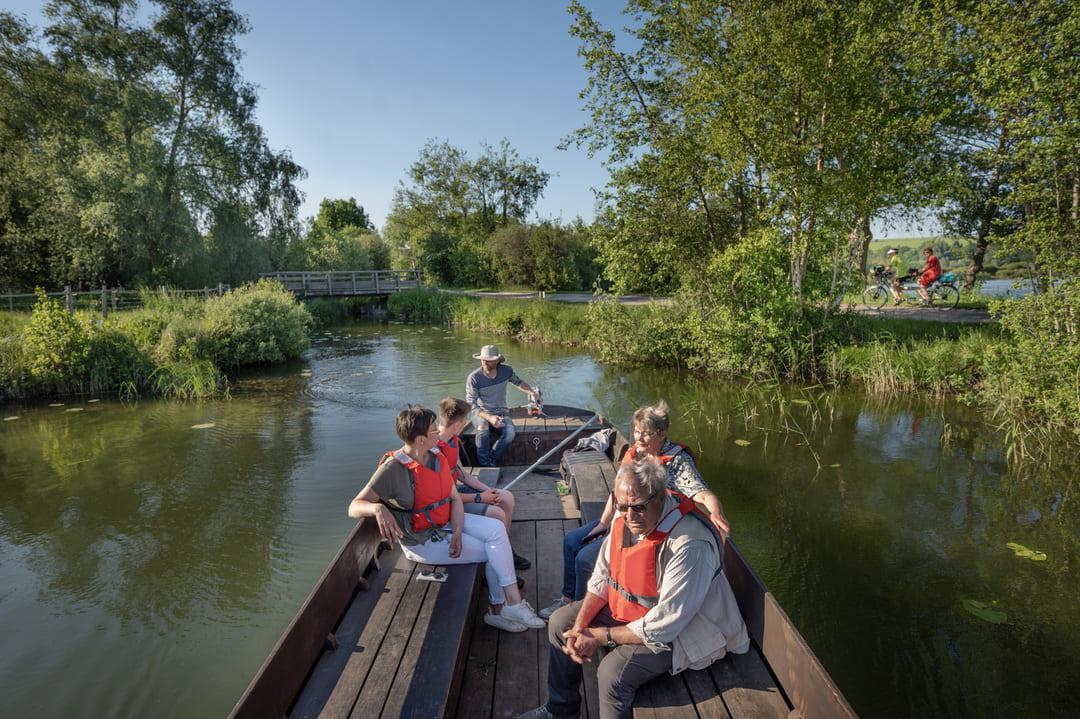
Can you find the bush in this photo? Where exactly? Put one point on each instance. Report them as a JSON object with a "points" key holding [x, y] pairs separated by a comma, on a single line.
{"points": [[422, 304], [57, 344], [256, 323], [115, 360], [1036, 373]]}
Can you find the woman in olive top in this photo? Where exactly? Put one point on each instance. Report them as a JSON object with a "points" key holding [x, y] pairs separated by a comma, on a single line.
{"points": [[413, 498]]}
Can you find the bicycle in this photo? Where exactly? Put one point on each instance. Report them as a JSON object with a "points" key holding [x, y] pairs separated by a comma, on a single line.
{"points": [[944, 292]]}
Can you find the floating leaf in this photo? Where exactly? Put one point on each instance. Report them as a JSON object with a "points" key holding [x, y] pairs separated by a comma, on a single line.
{"points": [[11, 419], [57, 404], [1024, 553], [91, 401], [206, 425], [743, 442], [834, 466], [985, 611], [74, 409]]}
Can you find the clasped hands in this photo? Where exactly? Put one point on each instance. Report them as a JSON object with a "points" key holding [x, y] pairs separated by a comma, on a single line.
{"points": [[581, 645]]}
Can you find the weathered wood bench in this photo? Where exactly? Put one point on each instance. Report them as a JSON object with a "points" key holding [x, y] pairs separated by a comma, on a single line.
{"points": [[399, 648], [739, 686]]}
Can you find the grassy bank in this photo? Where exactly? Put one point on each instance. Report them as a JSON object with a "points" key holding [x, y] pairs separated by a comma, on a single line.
{"points": [[1024, 372], [169, 347]]}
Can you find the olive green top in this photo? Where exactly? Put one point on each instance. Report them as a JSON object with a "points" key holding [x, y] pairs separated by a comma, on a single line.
{"points": [[393, 482]]}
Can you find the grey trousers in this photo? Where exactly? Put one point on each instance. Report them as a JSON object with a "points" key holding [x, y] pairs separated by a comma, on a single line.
{"points": [[619, 675]]}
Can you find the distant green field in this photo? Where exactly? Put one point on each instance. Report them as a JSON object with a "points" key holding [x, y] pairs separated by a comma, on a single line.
{"points": [[916, 243]]}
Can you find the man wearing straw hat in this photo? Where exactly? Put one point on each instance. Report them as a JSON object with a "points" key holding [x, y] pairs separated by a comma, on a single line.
{"points": [[485, 391]]}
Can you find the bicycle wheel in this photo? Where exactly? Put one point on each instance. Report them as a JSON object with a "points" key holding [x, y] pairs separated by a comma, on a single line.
{"points": [[945, 297], [875, 297]]}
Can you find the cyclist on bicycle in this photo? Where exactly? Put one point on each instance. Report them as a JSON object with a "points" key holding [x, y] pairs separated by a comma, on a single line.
{"points": [[929, 274], [893, 271]]}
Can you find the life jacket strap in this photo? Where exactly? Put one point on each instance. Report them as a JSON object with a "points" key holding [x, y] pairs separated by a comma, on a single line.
{"points": [[647, 602]]}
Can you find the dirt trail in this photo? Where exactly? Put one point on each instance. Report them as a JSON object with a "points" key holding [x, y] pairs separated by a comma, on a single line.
{"points": [[927, 314]]}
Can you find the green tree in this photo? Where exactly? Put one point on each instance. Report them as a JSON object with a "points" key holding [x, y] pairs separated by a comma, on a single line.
{"points": [[126, 136], [443, 215], [1013, 176], [726, 119]]}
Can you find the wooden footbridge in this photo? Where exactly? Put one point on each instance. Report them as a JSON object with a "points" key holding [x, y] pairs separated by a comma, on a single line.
{"points": [[347, 284]]}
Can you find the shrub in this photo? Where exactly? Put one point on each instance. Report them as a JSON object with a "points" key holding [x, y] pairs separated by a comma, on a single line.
{"points": [[57, 344], [256, 323], [1036, 373], [421, 304], [326, 311], [183, 337], [115, 360]]}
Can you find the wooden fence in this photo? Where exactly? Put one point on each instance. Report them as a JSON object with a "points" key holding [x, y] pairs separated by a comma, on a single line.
{"points": [[347, 284], [106, 299]]}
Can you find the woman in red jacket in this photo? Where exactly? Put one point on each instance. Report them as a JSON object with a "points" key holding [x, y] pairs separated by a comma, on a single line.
{"points": [[929, 273]]}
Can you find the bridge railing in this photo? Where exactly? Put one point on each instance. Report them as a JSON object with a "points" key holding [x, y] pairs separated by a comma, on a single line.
{"points": [[358, 282]]}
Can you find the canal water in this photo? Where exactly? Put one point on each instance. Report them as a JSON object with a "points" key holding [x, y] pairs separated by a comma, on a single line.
{"points": [[152, 552]]}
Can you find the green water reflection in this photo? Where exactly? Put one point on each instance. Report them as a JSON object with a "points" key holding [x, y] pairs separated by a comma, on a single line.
{"points": [[146, 567]]}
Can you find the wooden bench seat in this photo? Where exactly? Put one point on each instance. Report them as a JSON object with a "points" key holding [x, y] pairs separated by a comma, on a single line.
{"points": [[400, 646]]}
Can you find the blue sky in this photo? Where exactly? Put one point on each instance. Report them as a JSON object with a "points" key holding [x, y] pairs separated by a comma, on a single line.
{"points": [[355, 89]]}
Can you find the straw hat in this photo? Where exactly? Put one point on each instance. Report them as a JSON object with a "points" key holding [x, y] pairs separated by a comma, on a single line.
{"points": [[488, 353]]}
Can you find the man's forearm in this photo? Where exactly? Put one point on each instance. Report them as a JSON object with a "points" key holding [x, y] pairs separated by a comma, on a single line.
{"points": [[590, 607]]}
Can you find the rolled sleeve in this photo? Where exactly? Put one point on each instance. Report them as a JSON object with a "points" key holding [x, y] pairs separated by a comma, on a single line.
{"points": [[601, 571], [683, 588]]}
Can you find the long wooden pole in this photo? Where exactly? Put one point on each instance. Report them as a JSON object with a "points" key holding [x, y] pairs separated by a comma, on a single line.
{"points": [[550, 452]]}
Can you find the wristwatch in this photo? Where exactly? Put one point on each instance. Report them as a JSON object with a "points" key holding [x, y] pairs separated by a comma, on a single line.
{"points": [[610, 642]]}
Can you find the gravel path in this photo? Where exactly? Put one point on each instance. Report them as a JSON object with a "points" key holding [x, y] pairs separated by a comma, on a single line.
{"points": [[968, 316]]}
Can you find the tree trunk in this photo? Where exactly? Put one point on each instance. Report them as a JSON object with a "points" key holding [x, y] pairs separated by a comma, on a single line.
{"points": [[982, 241], [861, 236]]}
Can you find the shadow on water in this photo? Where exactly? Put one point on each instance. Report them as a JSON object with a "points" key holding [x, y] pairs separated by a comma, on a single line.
{"points": [[152, 565]]}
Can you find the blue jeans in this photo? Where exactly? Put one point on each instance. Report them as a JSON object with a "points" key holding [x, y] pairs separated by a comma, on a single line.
{"points": [[487, 455], [579, 560]]}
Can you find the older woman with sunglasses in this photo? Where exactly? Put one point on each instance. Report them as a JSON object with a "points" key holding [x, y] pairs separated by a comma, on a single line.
{"points": [[650, 438]]}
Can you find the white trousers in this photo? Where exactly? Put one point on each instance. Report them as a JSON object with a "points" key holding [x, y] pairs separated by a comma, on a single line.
{"points": [[483, 539]]}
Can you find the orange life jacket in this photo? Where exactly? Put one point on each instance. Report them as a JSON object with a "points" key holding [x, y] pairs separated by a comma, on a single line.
{"points": [[451, 449], [631, 454], [431, 491], [632, 588]]}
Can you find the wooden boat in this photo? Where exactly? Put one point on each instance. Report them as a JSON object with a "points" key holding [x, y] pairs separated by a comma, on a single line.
{"points": [[371, 642]]}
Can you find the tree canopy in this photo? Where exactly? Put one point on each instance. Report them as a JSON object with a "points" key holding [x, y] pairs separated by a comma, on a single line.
{"points": [[130, 152]]}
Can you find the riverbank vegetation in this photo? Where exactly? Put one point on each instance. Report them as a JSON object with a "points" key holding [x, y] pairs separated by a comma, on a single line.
{"points": [[1022, 371], [170, 347]]}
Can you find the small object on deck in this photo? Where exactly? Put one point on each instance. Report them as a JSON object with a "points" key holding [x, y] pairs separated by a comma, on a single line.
{"points": [[431, 575], [535, 408], [331, 641]]}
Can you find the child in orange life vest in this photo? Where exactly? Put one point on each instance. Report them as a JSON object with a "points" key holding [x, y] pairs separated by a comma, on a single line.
{"points": [[413, 498], [477, 497]]}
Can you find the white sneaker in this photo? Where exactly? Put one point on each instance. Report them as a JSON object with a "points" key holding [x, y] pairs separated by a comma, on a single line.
{"points": [[501, 621], [550, 609], [523, 613]]}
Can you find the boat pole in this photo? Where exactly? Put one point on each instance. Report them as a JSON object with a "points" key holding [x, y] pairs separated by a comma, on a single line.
{"points": [[550, 452]]}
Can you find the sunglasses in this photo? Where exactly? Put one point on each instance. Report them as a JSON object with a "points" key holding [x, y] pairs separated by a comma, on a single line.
{"points": [[636, 508]]}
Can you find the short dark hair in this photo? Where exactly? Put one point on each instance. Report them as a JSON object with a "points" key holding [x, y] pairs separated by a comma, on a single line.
{"points": [[929, 249], [452, 409], [414, 421]]}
